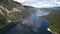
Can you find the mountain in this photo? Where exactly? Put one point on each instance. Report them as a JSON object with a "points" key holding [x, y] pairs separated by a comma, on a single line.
{"points": [[28, 6], [31, 9], [11, 11], [56, 8], [54, 19], [50, 9]]}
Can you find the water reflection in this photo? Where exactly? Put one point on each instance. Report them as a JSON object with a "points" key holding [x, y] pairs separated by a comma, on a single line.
{"points": [[32, 24]]}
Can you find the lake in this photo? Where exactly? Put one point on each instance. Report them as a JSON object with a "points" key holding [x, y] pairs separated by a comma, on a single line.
{"points": [[32, 24]]}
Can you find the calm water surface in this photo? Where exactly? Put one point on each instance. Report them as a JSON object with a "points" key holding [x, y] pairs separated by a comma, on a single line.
{"points": [[32, 24]]}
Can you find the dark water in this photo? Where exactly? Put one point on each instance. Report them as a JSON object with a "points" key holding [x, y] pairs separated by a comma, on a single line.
{"points": [[32, 24]]}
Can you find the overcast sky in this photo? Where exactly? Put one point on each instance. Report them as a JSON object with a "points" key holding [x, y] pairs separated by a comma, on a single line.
{"points": [[40, 3]]}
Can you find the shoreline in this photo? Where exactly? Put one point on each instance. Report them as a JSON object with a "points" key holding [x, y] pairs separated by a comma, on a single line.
{"points": [[51, 31]]}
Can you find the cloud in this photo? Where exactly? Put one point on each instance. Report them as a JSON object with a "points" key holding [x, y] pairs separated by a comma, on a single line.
{"points": [[40, 3], [44, 4], [26, 1], [58, 3]]}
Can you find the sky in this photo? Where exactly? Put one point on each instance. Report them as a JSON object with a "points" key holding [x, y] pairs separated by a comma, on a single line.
{"points": [[40, 3]]}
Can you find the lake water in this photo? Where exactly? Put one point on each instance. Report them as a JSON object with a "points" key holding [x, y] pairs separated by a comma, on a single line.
{"points": [[32, 24]]}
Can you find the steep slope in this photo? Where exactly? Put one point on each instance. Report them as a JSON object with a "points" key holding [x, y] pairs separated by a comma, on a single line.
{"points": [[54, 19], [31, 9], [11, 11]]}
